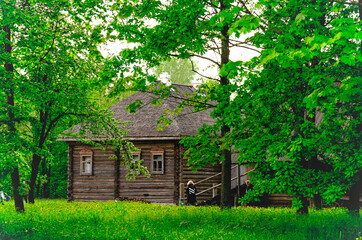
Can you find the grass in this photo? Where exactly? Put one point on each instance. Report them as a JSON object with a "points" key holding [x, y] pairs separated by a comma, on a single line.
{"points": [[57, 219]]}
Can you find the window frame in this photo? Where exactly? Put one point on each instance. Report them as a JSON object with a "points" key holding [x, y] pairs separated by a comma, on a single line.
{"points": [[158, 152], [83, 154], [138, 154]]}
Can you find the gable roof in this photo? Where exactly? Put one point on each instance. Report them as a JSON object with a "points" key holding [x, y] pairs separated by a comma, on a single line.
{"points": [[144, 120]]}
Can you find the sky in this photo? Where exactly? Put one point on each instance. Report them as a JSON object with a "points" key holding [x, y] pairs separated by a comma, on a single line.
{"points": [[206, 67]]}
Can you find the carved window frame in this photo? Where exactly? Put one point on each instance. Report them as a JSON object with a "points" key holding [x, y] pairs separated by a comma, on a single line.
{"points": [[157, 165], [136, 157], [86, 157]]}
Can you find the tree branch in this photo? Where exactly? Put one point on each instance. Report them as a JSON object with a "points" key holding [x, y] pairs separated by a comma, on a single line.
{"points": [[237, 45], [196, 55], [55, 32], [206, 58], [348, 3], [195, 71]]}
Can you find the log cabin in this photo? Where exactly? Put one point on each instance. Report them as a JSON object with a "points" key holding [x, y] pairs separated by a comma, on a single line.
{"points": [[94, 175]]}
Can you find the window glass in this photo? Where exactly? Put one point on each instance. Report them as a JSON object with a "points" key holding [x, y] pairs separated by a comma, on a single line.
{"points": [[86, 165], [157, 157], [157, 164]]}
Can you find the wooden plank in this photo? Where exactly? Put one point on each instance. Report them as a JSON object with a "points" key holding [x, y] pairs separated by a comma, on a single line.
{"points": [[163, 185], [94, 189], [94, 195], [147, 194], [158, 187], [92, 179], [146, 190]]}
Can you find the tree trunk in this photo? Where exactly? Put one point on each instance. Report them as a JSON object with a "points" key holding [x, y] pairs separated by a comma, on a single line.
{"points": [[42, 134], [360, 10], [46, 188], [15, 182], [226, 197], [15, 178], [317, 200], [315, 164], [304, 201], [354, 192], [34, 173], [45, 172]]}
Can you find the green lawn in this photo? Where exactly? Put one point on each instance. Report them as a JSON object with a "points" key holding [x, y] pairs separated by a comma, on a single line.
{"points": [[57, 219]]}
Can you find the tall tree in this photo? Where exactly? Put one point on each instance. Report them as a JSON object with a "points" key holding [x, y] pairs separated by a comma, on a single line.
{"points": [[46, 53], [185, 29], [9, 86], [68, 66], [55, 68], [309, 67], [301, 110]]}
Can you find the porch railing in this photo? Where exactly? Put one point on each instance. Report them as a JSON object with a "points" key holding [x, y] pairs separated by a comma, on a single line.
{"points": [[215, 186]]}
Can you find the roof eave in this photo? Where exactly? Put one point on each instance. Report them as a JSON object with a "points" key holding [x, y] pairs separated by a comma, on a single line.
{"points": [[129, 138]]}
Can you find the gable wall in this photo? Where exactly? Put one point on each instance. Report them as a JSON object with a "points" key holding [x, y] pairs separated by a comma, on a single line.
{"points": [[103, 185], [158, 188], [207, 171], [99, 186]]}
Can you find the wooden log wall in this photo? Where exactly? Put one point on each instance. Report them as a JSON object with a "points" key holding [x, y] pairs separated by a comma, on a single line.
{"points": [[285, 200], [207, 171], [100, 185], [178, 171], [158, 188], [103, 185], [70, 173]]}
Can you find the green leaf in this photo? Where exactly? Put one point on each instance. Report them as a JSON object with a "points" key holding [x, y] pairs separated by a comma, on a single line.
{"points": [[300, 17]]}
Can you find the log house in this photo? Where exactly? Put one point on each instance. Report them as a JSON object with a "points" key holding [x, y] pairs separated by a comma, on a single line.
{"points": [[93, 175]]}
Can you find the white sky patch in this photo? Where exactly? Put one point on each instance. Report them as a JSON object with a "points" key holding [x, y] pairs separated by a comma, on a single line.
{"points": [[205, 67], [114, 47]]}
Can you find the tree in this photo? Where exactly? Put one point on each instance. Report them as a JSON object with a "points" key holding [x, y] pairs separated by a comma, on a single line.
{"points": [[185, 30], [304, 70], [306, 73], [43, 57], [179, 70], [9, 93], [54, 69]]}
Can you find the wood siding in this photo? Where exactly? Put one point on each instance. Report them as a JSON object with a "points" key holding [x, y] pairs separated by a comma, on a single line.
{"points": [[98, 186], [109, 182], [207, 171], [158, 188], [70, 173]]}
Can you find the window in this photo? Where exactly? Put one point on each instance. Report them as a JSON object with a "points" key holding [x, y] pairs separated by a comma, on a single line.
{"points": [[136, 157], [86, 162], [157, 164]]}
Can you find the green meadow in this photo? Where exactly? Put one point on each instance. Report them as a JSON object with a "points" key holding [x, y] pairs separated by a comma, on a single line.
{"points": [[58, 219]]}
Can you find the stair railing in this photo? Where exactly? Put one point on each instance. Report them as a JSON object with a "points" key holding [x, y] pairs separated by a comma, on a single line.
{"points": [[218, 185], [214, 187]]}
